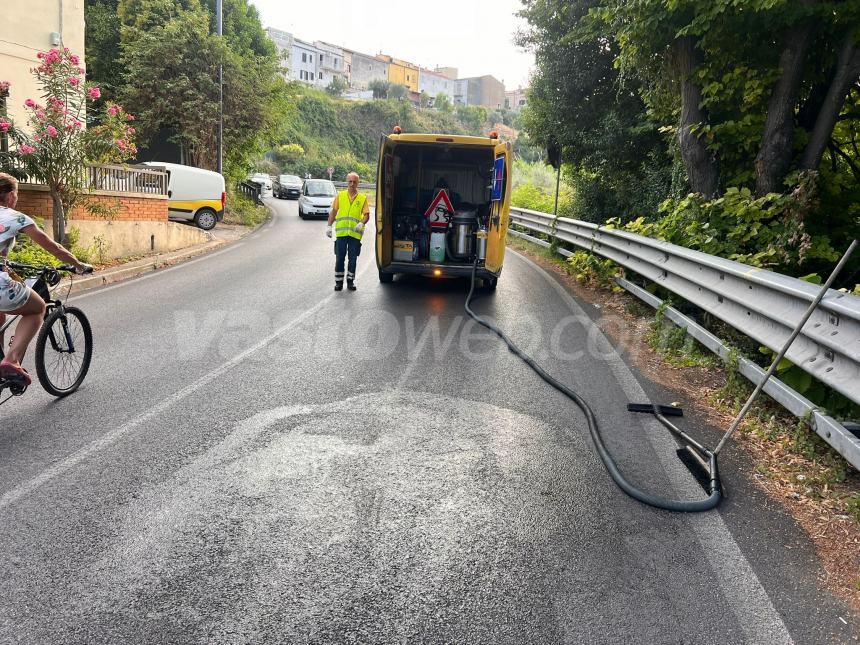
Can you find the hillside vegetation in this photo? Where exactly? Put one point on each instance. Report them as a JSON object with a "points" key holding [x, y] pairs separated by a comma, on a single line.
{"points": [[321, 131]]}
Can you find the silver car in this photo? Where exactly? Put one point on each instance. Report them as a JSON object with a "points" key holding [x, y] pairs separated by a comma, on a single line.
{"points": [[316, 199]]}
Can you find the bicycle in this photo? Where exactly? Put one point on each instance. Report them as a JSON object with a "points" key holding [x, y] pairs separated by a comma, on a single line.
{"points": [[64, 345]]}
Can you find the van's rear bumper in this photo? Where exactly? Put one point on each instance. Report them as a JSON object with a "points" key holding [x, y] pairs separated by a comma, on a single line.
{"points": [[445, 270]]}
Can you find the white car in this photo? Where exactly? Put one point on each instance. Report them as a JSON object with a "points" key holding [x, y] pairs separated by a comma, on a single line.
{"points": [[316, 199], [264, 180]]}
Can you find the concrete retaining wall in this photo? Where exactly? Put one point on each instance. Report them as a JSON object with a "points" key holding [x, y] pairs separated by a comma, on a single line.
{"points": [[124, 238]]}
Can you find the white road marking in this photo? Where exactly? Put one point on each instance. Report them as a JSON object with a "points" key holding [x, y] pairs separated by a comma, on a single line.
{"points": [[108, 439], [744, 593]]}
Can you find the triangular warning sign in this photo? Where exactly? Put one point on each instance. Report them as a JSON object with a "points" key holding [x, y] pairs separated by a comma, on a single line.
{"points": [[438, 209]]}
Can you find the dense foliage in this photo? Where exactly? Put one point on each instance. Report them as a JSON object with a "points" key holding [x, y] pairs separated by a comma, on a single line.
{"points": [[751, 105], [167, 73]]}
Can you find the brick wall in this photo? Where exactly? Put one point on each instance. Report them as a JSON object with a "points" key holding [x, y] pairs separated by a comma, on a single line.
{"points": [[35, 201]]}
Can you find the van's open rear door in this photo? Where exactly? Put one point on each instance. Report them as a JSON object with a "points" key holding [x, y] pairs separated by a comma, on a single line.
{"points": [[384, 202], [499, 210]]}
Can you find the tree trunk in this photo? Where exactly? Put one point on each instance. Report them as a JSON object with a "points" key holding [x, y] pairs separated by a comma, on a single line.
{"points": [[847, 73], [59, 223], [774, 156], [700, 163]]}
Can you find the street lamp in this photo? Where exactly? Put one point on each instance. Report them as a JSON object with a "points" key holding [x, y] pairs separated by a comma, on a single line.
{"points": [[219, 10]]}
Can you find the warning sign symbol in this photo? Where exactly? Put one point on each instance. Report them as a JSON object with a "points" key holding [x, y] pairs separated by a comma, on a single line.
{"points": [[440, 210]]}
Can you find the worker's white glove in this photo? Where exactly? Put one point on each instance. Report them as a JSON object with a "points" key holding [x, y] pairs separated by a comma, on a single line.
{"points": [[359, 227], [328, 231]]}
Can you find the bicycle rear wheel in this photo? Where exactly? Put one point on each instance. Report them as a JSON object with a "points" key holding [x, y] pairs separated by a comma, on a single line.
{"points": [[61, 370]]}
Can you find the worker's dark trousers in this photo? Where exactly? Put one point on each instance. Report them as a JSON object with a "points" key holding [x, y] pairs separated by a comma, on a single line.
{"points": [[343, 247]]}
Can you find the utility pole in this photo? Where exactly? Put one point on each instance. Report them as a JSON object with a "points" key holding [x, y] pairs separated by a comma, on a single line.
{"points": [[219, 9]]}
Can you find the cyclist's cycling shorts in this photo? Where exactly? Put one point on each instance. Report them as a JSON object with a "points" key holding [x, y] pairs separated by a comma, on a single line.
{"points": [[13, 295]]}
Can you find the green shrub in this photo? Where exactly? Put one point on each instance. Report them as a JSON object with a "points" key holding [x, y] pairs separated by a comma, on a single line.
{"points": [[244, 211], [763, 232]]}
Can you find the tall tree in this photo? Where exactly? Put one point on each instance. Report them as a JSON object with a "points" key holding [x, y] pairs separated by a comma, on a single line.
{"points": [[102, 45], [579, 99], [171, 57]]}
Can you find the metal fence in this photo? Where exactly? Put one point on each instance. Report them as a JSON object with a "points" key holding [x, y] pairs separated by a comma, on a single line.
{"points": [[107, 178], [127, 179], [759, 303]]}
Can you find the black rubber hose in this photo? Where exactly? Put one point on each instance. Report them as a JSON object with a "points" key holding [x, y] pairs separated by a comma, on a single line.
{"points": [[646, 498]]}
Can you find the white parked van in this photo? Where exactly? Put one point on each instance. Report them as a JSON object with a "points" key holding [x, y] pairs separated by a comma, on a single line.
{"points": [[195, 195]]}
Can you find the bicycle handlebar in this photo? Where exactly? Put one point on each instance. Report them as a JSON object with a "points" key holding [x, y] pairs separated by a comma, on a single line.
{"points": [[66, 268]]}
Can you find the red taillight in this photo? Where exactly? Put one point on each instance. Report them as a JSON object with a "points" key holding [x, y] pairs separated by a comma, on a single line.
{"points": [[223, 200]]}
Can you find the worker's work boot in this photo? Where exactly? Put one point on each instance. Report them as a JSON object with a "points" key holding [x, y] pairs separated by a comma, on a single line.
{"points": [[350, 285], [338, 286]]}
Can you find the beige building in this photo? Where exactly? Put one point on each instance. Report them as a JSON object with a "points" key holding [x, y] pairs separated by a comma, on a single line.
{"points": [[28, 27]]}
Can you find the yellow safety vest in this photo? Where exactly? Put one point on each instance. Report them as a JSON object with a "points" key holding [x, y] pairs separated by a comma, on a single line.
{"points": [[349, 214]]}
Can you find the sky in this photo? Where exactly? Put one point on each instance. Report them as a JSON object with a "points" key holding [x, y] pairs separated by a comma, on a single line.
{"points": [[475, 36]]}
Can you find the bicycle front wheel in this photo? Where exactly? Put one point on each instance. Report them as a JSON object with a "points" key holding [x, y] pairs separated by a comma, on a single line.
{"points": [[64, 349]]}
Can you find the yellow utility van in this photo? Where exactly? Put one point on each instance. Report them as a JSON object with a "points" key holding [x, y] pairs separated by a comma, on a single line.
{"points": [[442, 202], [194, 195]]}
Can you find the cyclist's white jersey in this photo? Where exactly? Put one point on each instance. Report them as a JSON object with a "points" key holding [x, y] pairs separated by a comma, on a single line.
{"points": [[12, 294]]}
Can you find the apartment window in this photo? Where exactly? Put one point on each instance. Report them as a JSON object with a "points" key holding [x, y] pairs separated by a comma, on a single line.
{"points": [[304, 57], [321, 57], [320, 75]]}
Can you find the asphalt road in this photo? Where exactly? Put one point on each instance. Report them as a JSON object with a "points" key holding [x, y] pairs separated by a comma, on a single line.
{"points": [[254, 458]]}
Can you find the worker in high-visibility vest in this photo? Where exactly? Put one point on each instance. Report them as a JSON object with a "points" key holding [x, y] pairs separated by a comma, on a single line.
{"points": [[349, 214]]}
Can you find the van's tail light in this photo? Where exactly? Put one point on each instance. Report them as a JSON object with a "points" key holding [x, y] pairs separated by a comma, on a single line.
{"points": [[223, 200]]}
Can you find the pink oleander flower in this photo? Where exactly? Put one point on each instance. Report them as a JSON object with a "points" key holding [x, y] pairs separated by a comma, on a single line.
{"points": [[4, 126], [4, 86], [40, 114], [78, 125], [95, 93], [74, 60], [113, 110], [129, 117], [40, 55], [27, 150], [51, 130], [37, 137], [30, 103], [120, 143], [73, 81], [131, 131]]}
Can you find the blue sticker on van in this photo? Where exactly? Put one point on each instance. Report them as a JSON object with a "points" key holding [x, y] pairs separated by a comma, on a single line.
{"points": [[498, 178]]}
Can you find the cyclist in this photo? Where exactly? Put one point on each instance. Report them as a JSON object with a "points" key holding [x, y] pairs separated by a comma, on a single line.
{"points": [[16, 298]]}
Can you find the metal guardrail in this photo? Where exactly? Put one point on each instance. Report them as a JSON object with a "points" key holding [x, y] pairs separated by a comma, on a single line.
{"points": [[759, 303], [342, 184], [251, 190]]}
